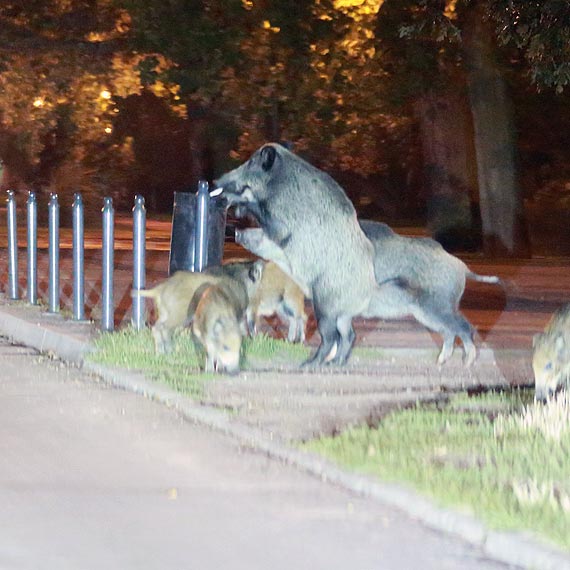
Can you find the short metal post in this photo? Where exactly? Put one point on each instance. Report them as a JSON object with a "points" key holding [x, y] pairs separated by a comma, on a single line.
{"points": [[32, 211], [12, 247], [201, 229], [53, 254], [139, 247], [108, 317], [78, 258]]}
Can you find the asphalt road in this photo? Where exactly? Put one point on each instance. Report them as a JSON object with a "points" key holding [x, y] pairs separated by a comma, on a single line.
{"points": [[93, 477]]}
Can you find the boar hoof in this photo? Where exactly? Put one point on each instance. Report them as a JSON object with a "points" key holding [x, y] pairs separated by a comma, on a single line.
{"points": [[444, 355], [469, 357]]}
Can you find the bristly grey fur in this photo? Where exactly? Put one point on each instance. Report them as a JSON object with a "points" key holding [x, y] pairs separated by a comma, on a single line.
{"points": [[431, 280]]}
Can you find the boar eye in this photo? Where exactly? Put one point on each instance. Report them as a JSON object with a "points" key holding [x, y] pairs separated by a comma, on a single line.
{"points": [[548, 366], [226, 348]]}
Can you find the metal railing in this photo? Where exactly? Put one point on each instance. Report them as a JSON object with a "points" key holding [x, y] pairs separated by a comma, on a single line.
{"points": [[78, 253]]}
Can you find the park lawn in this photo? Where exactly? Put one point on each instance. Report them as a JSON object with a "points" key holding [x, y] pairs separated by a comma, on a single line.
{"points": [[506, 462]]}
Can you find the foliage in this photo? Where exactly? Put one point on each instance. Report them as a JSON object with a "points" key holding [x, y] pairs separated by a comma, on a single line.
{"points": [[417, 43], [335, 77], [198, 36], [64, 65], [541, 30], [508, 471]]}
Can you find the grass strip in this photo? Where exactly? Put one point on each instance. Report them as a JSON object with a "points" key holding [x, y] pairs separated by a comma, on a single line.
{"points": [[511, 468], [181, 369]]}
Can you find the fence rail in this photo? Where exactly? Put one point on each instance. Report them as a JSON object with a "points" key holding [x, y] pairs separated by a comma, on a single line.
{"points": [[107, 321]]}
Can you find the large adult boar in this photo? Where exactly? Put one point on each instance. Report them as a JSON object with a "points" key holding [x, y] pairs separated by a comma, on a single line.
{"points": [[318, 241], [551, 355]]}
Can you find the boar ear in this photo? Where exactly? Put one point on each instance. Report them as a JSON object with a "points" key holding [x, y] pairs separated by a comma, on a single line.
{"points": [[268, 154]]}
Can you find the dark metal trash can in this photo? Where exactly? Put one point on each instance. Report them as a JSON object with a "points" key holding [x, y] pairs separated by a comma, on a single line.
{"points": [[183, 229]]}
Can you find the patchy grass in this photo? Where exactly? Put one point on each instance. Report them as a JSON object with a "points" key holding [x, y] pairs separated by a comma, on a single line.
{"points": [[491, 403], [181, 369], [509, 467], [263, 350], [134, 350]]}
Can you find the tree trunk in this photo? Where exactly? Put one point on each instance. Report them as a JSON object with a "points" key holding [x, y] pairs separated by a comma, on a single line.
{"points": [[448, 158], [502, 215]]}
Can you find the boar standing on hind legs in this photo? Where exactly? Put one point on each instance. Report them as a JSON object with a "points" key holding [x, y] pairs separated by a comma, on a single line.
{"points": [[315, 237], [551, 355], [433, 282]]}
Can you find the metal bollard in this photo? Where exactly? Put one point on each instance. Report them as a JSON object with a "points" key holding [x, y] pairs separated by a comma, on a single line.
{"points": [[53, 254], [201, 227], [12, 247], [78, 258], [108, 317], [139, 250], [32, 217]]}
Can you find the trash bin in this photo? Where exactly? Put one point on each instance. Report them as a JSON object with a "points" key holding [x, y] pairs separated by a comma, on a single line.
{"points": [[183, 227]]}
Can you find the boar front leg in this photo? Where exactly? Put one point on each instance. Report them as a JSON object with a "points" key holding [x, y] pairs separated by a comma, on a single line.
{"points": [[256, 241]]}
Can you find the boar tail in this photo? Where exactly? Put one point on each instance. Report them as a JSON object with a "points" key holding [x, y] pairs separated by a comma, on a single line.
{"points": [[482, 278], [143, 293]]}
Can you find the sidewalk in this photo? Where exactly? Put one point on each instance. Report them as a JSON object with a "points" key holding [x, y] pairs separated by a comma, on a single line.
{"points": [[266, 410]]}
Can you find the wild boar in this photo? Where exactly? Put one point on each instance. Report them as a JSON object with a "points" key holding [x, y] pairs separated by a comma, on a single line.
{"points": [[311, 226], [175, 297], [216, 327], [551, 355], [278, 294], [432, 284]]}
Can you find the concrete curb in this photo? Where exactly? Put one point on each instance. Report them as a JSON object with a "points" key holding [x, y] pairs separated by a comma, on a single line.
{"points": [[517, 549], [46, 333]]}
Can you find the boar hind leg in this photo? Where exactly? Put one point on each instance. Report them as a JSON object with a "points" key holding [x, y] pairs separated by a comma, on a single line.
{"points": [[459, 326], [299, 330], [346, 340], [162, 338], [447, 348], [293, 332], [449, 325], [296, 331], [465, 333], [329, 342]]}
